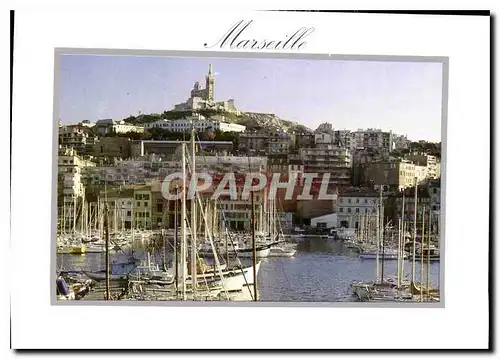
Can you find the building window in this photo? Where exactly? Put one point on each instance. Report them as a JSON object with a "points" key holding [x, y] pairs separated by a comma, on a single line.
{"points": [[357, 210], [341, 209], [147, 214], [129, 213], [366, 201], [366, 210], [145, 204], [349, 210], [138, 204], [357, 200], [159, 207], [349, 200]]}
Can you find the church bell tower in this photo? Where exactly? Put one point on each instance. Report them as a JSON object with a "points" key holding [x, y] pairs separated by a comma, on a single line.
{"points": [[210, 82]]}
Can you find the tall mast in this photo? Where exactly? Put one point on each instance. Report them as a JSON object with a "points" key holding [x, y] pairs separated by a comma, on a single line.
{"points": [[106, 234], [403, 238], [428, 251], [422, 241], [64, 216], [254, 250], [81, 217], [399, 254], [115, 227], [74, 215], [183, 223], [382, 235], [414, 231], [193, 211], [379, 235], [176, 242]]}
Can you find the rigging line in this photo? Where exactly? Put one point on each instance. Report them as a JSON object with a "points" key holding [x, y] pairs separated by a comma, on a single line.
{"points": [[226, 222], [228, 235], [210, 237], [192, 275]]}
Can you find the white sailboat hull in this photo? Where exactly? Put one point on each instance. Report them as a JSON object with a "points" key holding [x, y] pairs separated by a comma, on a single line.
{"points": [[234, 280], [282, 252], [260, 253], [386, 256], [100, 276]]}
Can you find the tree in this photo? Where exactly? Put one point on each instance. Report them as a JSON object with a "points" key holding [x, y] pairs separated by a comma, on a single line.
{"points": [[207, 135]]}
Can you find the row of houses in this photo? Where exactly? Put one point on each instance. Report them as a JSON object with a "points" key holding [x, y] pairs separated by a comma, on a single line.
{"points": [[357, 206], [144, 206], [200, 124], [75, 174]]}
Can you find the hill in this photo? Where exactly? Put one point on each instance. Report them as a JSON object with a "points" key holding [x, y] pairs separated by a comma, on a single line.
{"points": [[252, 120]]}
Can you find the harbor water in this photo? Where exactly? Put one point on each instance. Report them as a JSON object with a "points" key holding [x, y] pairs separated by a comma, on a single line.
{"points": [[321, 271]]}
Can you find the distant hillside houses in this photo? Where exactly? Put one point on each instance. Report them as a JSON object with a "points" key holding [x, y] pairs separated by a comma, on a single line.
{"points": [[371, 138], [110, 126], [200, 123]]}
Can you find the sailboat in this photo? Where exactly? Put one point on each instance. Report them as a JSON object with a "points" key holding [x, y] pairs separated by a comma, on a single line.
{"points": [[283, 248], [238, 278]]}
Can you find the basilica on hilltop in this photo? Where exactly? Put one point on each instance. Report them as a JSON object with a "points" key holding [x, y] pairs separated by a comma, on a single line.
{"points": [[204, 98]]}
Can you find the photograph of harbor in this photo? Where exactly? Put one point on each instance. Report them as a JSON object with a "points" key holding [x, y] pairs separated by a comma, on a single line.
{"points": [[248, 179]]}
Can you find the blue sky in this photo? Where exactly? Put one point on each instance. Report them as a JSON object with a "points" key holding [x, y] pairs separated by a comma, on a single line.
{"points": [[401, 96]]}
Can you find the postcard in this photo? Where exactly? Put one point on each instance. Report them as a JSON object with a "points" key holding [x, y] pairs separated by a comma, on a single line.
{"points": [[248, 166]]}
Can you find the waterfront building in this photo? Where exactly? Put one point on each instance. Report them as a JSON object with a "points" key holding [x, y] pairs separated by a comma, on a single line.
{"points": [[355, 203], [142, 207], [70, 185], [308, 209], [120, 205], [434, 191], [324, 222]]}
